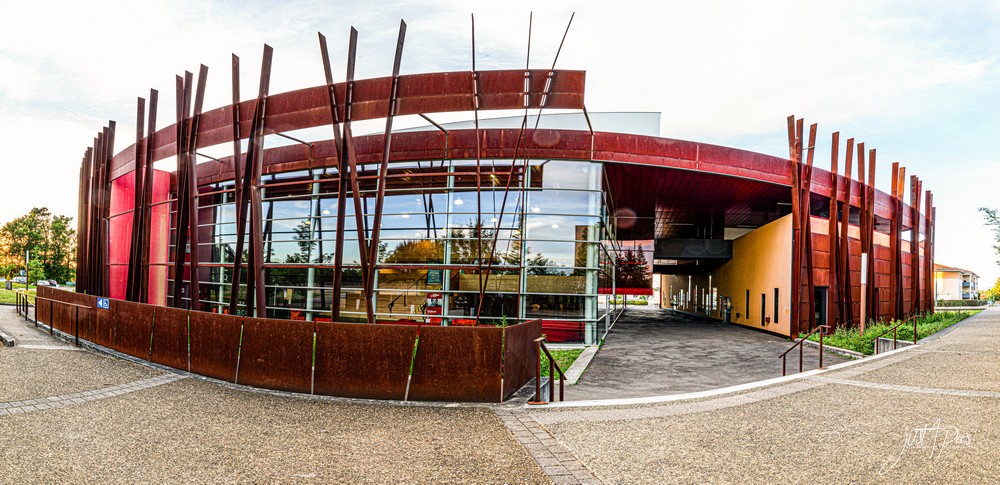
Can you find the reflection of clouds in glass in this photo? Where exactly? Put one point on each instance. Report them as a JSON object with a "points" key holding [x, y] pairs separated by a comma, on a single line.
{"points": [[568, 175]]}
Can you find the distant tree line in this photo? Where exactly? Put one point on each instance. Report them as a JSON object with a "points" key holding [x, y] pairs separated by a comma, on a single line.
{"points": [[50, 241]]}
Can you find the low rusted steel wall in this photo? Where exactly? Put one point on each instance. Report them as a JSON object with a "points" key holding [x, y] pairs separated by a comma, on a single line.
{"points": [[399, 362], [519, 357]]}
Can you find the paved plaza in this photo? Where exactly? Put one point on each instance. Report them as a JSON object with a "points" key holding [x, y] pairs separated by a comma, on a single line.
{"points": [[925, 414], [651, 352]]}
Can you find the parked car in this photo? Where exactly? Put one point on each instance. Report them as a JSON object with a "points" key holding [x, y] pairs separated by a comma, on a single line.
{"points": [[20, 279], [42, 283], [3, 280], [53, 283]]}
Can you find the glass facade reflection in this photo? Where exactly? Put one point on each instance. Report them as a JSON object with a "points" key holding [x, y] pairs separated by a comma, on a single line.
{"points": [[544, 239]]}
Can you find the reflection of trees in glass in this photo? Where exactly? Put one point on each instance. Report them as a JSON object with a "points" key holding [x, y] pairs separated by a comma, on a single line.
{"points": [[631, 270]]}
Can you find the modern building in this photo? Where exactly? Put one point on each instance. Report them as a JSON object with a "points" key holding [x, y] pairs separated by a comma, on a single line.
{"points": [[271, 206], [955, 283]]}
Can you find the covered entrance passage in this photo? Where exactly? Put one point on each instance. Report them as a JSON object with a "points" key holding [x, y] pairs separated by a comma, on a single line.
{"points": [[659, 352]]}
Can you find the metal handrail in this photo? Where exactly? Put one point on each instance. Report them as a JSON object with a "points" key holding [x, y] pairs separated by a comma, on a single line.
{"points": [[76, 320], [553, 369], [895, 330], [798, 344]]}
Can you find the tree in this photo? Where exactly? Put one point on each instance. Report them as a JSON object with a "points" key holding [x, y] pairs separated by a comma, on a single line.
{"points": [[992, 294], [50, 240], [993, 221], [631, 270]]}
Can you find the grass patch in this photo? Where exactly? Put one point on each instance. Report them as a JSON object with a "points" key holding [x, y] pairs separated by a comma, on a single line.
{"points": [[10, 297], [851, 338], [564, 357]]}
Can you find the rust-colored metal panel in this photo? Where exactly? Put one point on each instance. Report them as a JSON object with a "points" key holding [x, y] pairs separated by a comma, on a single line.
{"points": [[363, 361], [42, 313], [457, 364], [170, 337], [134, 325], [215, 344], [62, 316], [103, 322], [520, 354], [276, 354]]}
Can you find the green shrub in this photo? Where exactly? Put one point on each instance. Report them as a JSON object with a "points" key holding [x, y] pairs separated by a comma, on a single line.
{"points": [[851, 338], [960, 303]]}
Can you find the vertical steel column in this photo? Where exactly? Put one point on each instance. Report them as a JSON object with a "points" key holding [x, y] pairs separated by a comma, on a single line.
{"points": [[846, 288], [870, 212], [796, 300], [806, 200], [915, 188], [238, 190], [147, 200], [933, 213], [109, 147], [181, 213], [191, 141], [83, 224], [928, 263], [898, 276], [893, 239], [256, 218], [139, 172], [833, 261]]}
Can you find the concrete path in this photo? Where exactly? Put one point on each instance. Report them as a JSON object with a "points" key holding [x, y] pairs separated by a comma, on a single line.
{"points": [[921, 415], [82, 417], [928, 414], [655, 352]]}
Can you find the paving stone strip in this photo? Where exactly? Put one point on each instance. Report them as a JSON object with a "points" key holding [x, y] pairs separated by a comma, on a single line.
{"points": [[677, 409], [42, 403], [921, 390], [555, 460]]}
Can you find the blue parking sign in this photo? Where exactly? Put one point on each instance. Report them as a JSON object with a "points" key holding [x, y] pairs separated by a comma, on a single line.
{"points": [[103, 303]]}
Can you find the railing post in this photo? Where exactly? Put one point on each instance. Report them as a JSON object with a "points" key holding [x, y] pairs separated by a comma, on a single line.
{"points": [[51, 318], [538, 373], [783, 371], [821, 332], [76, 330], [894, 331], [914, 330], [552, 379], [800, 355]]}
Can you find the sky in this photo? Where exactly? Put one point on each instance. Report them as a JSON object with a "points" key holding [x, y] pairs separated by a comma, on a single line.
{"points": [[917, 80]]}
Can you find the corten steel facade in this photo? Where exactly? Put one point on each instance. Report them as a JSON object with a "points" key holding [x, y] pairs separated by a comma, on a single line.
{"points": [[455, 226]]}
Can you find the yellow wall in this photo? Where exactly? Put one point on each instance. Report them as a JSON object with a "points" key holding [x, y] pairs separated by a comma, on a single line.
{"points": [[762, 261]]}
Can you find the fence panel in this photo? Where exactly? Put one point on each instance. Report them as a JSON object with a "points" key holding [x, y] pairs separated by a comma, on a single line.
{"points": [[170, 337], [276, 354], [43, 307], [215, 344], [519, 355], [363, 361], [457, 364], [133, 327]]}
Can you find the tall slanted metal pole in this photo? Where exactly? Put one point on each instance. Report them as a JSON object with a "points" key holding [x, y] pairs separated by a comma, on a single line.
{"points": [[373, 248], [338, 255]]}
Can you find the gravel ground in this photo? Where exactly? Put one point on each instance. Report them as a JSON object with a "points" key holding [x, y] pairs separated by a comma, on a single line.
{"points": [[942, 370], [196, 431], [829, 434], [34, 373]]}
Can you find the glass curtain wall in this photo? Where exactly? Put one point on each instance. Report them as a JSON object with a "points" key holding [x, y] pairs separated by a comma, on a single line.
{"points": [[542, 239]]}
